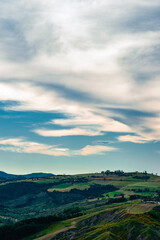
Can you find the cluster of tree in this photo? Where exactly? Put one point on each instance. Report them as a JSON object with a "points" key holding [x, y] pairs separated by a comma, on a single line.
{"points": [[144, 198], [15, 190], [134, 197], [139, 190], [96, 190], [142, 177], [116, 200], [29, 227], [158, 192], [155, 213], [72, 180], [116, 172], [137, 175]]}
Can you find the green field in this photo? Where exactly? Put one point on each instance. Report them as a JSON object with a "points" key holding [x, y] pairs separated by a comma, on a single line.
{"points": [[113, 194], [67, 187], [149, 184]]}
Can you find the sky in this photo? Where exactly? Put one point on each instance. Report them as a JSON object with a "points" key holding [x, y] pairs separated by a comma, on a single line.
{"points": [[79, 86]]}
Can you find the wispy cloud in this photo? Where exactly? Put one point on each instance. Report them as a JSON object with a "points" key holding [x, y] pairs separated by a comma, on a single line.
{"points": [[133, 139], [94, 149], [67, 132], [87, 123], [21, 146]]}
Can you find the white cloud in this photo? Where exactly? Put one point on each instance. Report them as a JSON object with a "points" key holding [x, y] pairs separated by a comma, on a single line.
{"points": [[133, 139], [95, 149], [67, 132], [96, 120], [21, 146], [87, 124]]}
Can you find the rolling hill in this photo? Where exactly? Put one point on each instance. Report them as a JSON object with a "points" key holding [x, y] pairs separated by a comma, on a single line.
{"points": [[106, 205]]}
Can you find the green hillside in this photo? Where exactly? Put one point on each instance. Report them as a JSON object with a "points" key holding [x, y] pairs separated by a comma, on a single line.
{"points": [[106, 205], [117, 224]]}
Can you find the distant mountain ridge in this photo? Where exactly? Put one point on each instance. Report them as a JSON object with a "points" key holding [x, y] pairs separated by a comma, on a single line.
{"points": [[7, 176]]}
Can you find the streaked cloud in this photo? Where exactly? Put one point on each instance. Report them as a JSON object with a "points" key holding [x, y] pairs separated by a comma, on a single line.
{"points": [[89, 118], [21, 146], [94, 149], [67, 132], [133, 139]]}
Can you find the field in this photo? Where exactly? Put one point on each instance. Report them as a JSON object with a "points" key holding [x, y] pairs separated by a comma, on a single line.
{"points": [[67, 187], [140, 208]]}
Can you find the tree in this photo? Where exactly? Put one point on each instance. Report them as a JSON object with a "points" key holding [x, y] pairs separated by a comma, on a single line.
{"points": [[107, 172]]}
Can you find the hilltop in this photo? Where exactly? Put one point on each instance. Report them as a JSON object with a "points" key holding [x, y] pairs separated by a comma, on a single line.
{"points": [[6, 176]]}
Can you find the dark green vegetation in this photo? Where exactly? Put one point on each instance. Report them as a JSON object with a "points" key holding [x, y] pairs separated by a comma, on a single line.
{"points": [[27, 227], [114, 205], [20, 200]]}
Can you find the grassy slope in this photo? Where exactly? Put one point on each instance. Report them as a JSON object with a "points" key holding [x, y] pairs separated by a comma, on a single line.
{"points": [[111, 222], [122, 226], [51, 229]]}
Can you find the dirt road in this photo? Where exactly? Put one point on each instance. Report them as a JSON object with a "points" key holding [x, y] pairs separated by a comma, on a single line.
{"points": [[51, 235]]}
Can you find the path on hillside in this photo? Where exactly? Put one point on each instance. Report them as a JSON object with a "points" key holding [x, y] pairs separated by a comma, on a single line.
{"points": [[51, 235]]}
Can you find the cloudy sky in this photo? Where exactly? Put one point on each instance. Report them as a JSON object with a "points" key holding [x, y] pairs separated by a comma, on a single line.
{"points": [[79, 85]]}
